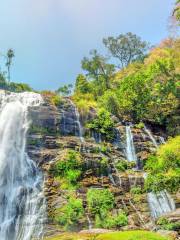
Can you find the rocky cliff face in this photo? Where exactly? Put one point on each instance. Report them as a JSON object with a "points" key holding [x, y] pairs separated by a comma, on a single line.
{"points": [[54, 130]]}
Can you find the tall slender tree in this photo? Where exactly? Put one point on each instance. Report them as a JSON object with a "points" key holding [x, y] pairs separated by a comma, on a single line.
{"points": [[10, 55]]}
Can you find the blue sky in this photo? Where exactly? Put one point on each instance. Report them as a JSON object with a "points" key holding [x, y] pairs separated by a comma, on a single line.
{"points": [[50, 37]]}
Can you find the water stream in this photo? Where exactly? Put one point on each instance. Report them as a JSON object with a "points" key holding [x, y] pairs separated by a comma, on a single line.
{"points": [[22, 203], [151, 136], [160, 203], [79, 129], [130, 149]]}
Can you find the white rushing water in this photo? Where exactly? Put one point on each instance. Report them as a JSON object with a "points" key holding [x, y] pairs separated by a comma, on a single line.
{"points": [[151, 136], [79, 130], [22, 203], [160, 203], [130, 149]]}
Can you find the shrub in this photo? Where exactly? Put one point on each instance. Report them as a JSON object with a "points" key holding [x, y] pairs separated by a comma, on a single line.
{"points": [[110, 101], [71, 213], [104, 165], [136, 190], [122, 165], [100, 201], [71, 161], [68, 170], [140, 125], [164, 167], [165, 224], [52, 97], [112, 221], [103, 124], [73, 176]]}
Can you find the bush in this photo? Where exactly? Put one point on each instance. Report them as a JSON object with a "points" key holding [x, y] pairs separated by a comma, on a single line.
{"points": [[136, 190], [112, 221], [52, 97], [140, 125], [164, 167], [100, 201], [71, 213], [71, 161], [110, 101], [122, 165], [165, 224], [73, 176], [103, 124], [68, 170]]}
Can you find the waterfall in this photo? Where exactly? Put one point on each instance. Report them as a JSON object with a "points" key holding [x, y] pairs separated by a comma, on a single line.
{"points": [[162, 140], [151, 136], [160, 203], [79, 131], [130, 149], [97, 137], [22, 203], [90, 226]]}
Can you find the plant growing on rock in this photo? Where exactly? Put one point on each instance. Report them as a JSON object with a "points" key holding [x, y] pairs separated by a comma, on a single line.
{"points": [[103, 124], [100, 201], [69, 168], [164, 167], [70, 214], [166, 224]]}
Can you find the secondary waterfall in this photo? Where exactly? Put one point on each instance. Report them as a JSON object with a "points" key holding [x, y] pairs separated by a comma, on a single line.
{"points": [[79, 129], [151, 136], [130, 149], [22, 203], [160, 203]]}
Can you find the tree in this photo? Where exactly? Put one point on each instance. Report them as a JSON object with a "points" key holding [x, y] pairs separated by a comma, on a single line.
{"points": [[164, 167], [65, 90], [82, 84], [176, 11], [126, 48], [9, 56], [98, 69]]}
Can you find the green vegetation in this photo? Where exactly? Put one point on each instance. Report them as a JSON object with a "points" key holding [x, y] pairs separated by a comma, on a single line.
{"points": [[136, 190], [123, 165], [165, 224], [127, 235], [65, 90], [132, 235], [103, 124], [5, 76], [126, 48], [69, 169], [164, 167], [70, 214], [52, 97], [176, 11], [111, 221], [100, 201], [146, 89]]}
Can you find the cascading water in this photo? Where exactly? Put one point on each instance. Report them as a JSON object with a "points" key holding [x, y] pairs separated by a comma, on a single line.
{"points": [[22, 203], [160, 203], [79, 130], [151, 136], [130, 149], [97, 137]]}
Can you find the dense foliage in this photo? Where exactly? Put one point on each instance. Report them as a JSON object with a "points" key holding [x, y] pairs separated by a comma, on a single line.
{"points": [[126, 48], [68, 168], [164, 167], [100, 201], [103, 124], [70, 214], [146, 90]]}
